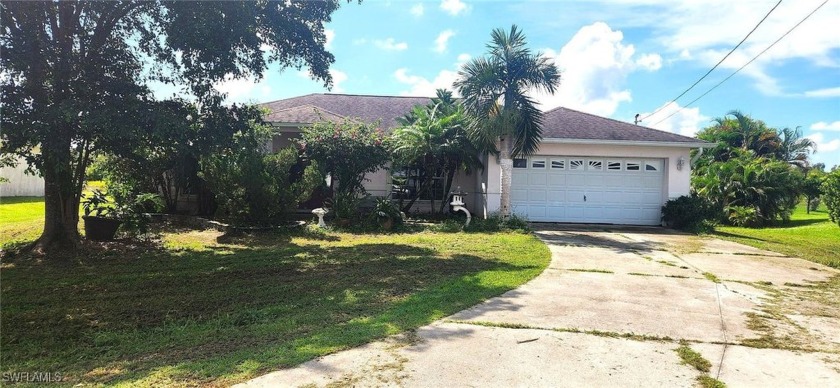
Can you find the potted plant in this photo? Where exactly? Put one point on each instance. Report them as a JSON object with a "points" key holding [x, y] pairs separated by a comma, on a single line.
{"points": [[100, 225]]}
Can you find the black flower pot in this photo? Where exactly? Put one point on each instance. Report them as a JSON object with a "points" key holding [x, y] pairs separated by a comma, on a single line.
{"points": [[101, 228]]}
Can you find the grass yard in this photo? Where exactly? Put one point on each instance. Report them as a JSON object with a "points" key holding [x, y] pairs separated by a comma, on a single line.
{"points": [[21, 219], [200, 308], [809, 236]]}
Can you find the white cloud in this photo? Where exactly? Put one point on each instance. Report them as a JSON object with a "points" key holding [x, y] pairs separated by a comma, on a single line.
{"points": [[709, 29], [454, 7], [650, 62], [244, 89], [463, 58], [442, 40], [826, 92], [423, 87], [338, 77], [686, 122], [824, 126], [390, 44], [594, 66], [330, 34], [824, 145], [417, 9]]}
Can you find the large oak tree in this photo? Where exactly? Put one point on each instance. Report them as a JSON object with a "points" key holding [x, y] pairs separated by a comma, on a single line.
{"points": [[75, 74]]}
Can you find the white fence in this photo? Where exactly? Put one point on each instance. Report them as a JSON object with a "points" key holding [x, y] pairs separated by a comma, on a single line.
{"points": [[20, 184]]}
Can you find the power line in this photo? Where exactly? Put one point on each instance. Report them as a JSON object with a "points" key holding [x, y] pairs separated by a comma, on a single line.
{"points": [[746, 64], [716, 65]]}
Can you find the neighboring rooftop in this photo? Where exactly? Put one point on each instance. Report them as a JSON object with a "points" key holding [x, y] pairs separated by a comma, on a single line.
{"points": [[559, 123]]}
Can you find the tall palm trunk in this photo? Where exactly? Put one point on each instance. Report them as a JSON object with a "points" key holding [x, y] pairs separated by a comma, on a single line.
{"points": [[506, 164]]}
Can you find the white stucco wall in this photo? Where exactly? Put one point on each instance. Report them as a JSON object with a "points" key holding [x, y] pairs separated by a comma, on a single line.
{"points": [[678, 182], [20, 183]]}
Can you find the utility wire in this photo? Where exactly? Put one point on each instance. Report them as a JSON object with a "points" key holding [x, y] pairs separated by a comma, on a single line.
{"points": [[746, 64], [716, 65]]}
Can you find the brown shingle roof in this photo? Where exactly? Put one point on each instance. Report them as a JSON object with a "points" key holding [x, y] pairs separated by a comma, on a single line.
{"points": [[564, 123], [302, 114], [370, 109], [559, 123]]}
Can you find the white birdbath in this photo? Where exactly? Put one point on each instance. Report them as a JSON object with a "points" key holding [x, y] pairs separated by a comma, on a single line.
{"points": [[320, 212]]}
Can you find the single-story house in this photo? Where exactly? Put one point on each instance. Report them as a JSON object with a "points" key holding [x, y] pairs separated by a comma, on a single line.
{"points": [[588, 169]]}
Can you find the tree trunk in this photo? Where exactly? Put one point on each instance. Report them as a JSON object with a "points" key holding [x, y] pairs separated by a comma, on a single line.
{"points": [[450, 176], [506, 164], [61, 203]]}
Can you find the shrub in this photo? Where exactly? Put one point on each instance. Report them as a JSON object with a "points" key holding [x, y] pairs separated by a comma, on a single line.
{"points": [[831, 194], [742, 216], [689, 213], [385, 212], [254, 188], [768, 186], [346, 151]]}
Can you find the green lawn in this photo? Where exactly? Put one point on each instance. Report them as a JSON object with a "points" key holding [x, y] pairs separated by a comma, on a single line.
{"points": [[809, 236], [21, 219], [199, 308]]}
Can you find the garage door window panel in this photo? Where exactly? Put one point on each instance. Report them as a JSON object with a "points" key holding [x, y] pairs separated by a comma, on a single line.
{"points": [[558, 164], [520, 163]]}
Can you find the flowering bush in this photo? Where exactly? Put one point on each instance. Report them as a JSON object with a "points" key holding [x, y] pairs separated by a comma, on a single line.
{"points": [[346, 151]]}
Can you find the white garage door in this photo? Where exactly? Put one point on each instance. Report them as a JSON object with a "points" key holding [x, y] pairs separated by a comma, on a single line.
{"points": [[588, 189]]}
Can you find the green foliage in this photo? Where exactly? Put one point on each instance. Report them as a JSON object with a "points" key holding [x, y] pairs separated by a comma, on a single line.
{"points": [[496, 88], [96, 204], [831, 194], [812, 188], [386, 208], [742, 216], [737, 132], [84, 87], [346, 151], [252, 187], [434, 141], [768, 186], [690, 213]]}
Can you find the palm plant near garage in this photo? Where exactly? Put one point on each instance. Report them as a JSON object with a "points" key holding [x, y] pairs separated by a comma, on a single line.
{"points": [[495, 90]]}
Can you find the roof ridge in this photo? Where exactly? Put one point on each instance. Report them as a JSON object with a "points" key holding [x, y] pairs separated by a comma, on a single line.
{"points": [[315, 108], [626, 123], [370, 95]]}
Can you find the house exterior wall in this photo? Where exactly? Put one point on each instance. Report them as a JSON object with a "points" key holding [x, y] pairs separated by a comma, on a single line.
{"points": [[20, 183], [677, 182], [378, 184]]}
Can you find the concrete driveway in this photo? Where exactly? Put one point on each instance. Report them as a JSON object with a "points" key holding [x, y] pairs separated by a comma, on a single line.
{"points": [[611, 309]]}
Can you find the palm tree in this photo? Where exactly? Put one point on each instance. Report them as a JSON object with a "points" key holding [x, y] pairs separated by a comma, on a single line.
{"points": [[495, 96], [433, 138], [793, 148]]}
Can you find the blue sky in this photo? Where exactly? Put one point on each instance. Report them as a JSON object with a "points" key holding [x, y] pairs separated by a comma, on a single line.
{"points": [[617, 58]]}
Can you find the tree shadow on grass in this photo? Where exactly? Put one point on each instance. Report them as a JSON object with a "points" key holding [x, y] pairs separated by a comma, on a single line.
{"points": [[228, 314], [733, 235]]}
